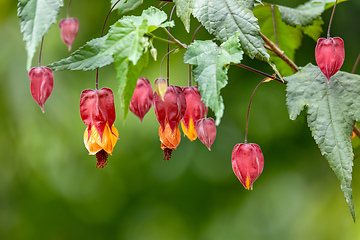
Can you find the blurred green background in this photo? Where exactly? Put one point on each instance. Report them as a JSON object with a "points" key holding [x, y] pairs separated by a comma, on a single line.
{"points": [[50, 188]]}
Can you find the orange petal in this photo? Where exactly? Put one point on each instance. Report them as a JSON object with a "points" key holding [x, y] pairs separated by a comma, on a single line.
{"points": [[168, 138], [94, 143]]}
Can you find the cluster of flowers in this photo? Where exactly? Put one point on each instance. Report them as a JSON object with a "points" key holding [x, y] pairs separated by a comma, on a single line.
{"points": [[173, 106]]}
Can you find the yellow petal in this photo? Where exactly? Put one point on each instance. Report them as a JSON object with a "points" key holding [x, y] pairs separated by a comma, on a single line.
{"points": [[95, 144]]}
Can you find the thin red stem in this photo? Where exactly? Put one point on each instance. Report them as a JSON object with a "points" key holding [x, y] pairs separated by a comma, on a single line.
{"points": [[356, 63], [41, 46], [192, 40], [102, 34], [331, 18], [260, 72], [168, 49], [68, 9], [248, 111]]}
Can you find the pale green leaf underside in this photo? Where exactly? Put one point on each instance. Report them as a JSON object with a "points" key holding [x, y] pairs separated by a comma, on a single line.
{"points": [[209, 69], [36, 17], [332, 109], [125, 6], [224, 18], [85, 58], [184, 8]]}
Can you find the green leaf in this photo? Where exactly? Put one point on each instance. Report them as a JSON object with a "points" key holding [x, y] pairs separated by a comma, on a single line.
{"points": [[85, 58], [184, 8], [210, 66], [305, 14], [125, 6], [36, 17], [224, 18], [124, 39], [155, 19], [332, 109], [314, 31]]}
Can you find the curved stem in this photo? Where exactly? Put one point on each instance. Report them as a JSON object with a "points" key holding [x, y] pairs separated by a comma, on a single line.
{"points": [[260, 72], [161, 39], [331, 18], [192, 40], [355, 64], [162, 61], [41, 46], [172, 37], [168, 49], [248, 111], [68, 9], [273, 47], [274, 25], [102, 34]]}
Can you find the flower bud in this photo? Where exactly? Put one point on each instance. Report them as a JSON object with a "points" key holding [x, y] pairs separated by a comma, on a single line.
{"points": [[172, 109], [195, 110], [247, 163], [41, 84], [206, 131], [69, 28], [329, 55], [142, 98], [160, 86]]}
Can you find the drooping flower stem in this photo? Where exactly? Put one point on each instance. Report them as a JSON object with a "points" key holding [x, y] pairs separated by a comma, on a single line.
{"points": [[248, 111], [68, 9], [192, 40], [41, 46], [332, 14], [162, 61], [355, 64], [102, 34], [168, 50]]}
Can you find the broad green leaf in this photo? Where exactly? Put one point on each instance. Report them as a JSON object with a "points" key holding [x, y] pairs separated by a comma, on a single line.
{"points": [[124, 39], [85, 58], [155, 19], [125, 6], [224, 18], [36, 17], [314, 31], [184, 8], [210, 66], [332, 109], [305, 14]]}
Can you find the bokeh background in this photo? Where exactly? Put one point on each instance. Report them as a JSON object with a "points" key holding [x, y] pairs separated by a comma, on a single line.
{"points": [[50, 188]]}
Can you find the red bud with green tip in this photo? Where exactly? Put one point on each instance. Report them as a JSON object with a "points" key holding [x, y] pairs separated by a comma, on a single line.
{"points": [[41, 84], [247, 163], [69, 28], [142, 98], [206, 131], [172, 108], [329, 55]]}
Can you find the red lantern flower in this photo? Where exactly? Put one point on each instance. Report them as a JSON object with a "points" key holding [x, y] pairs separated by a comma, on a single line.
{"points": [[206, 131], [247, 163], [195, 110], [169, 114], [69, 28], [41, 84], [142, 98], [97, 111], [329, 55]]}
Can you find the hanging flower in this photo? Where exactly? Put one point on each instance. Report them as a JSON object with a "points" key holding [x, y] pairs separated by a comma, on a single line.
{"points": [[206, 131], [142, 98], [195, 110], [41, 84], [69, 28], [169, 114], [97, 111], [329, 55], [247, 163]]}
